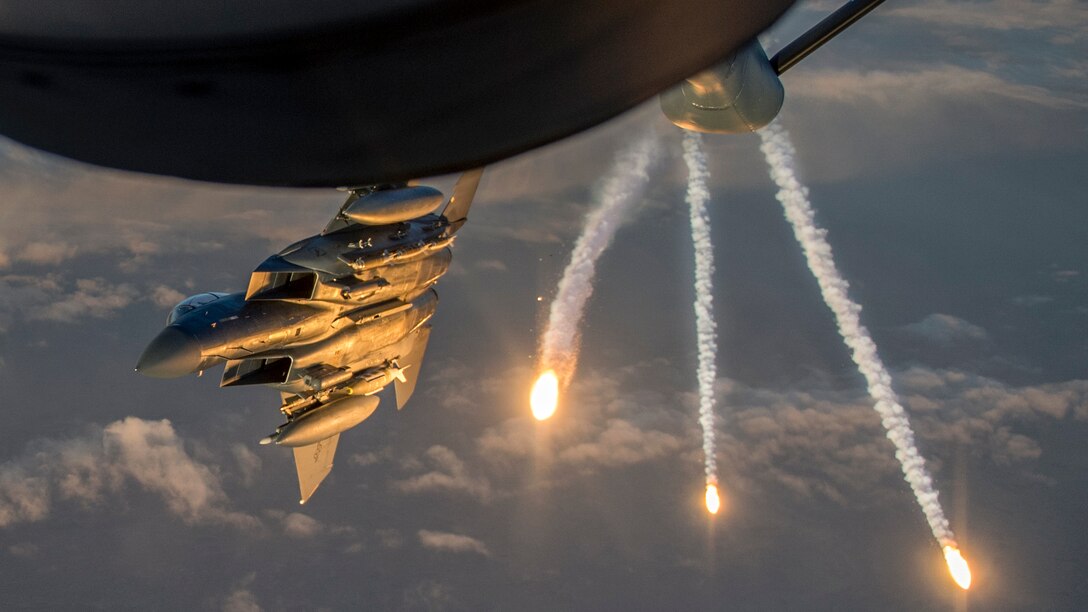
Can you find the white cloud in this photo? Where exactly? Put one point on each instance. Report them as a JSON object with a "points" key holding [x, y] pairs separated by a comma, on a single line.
{"points": [[24, 497], [303, 526], [620, 443], [1031, 301], [93, 297], [151, 453], [920, 93], [1066, 15], [25, 549], [808, 444], [371, 457], [54, 209], [452, 542], [242, 599], [427, 595], [166, 297], [491, 265], [298, 525], [822, 442], [963, 112], [830, 443], [946, 330], [90, 469], [448, 474], [46, 253], [53, 297], [606, 422], [389, 538], [21, 294], [249, 464]]}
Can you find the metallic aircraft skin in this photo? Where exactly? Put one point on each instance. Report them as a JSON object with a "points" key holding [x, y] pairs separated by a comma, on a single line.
{"points": [[742, 94], [329, 321]]}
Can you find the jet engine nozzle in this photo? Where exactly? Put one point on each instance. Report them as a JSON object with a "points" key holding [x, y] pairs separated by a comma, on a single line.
{"points": [[171, 354]]}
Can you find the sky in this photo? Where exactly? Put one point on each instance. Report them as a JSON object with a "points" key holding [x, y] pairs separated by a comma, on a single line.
{"points": [[944, 146]]}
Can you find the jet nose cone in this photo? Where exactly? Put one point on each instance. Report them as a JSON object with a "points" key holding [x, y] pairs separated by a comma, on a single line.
{"points": [[171, 354]]}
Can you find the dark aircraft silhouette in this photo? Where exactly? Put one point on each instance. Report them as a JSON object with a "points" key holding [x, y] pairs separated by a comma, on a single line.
{"points": [[328, 321], [337, 92], [275, 92]]}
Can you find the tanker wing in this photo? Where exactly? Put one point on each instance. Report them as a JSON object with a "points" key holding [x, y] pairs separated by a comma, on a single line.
{"points": [[314, 462]]}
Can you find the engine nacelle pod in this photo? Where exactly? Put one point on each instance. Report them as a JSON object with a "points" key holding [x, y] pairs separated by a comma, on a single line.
{"points": [[741, 94]]}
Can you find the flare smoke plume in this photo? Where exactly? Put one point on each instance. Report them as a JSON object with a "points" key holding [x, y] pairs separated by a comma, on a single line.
{"points": [[705, 328], [617, 196], [794, 198]]}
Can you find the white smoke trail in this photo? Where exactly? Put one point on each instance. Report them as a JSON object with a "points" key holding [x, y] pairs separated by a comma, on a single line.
{"points": [[617, 196], [794, 198], [705, 329]]}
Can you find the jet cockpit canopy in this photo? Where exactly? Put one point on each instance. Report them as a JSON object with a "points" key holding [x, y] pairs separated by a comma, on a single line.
{"points": [[191, 303]]}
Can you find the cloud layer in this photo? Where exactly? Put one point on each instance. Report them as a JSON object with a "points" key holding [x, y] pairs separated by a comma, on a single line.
{"points": [[813, 442], [452, 542], [92, 469]]}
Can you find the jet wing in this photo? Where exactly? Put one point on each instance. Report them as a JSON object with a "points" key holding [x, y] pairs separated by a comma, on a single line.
{"points": [[314, 462]]}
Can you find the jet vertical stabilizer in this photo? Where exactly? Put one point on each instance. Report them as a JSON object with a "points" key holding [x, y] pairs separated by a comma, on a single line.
{"points": [[314, 462], [464, 190], [409, 366]]}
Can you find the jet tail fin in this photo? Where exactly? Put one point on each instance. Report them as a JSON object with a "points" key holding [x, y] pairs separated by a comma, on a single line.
{"points": [[463, 192], [409, 364], [314, 462]]}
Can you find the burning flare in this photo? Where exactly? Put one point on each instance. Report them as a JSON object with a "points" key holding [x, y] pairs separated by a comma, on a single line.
{"points": [[813, 240], [545, 395], [713, 503], [618, 196], [957, 566], [707, 340]]}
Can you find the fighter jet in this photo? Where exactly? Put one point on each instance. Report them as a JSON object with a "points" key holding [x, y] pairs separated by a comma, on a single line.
{"points": [[328, 321]]}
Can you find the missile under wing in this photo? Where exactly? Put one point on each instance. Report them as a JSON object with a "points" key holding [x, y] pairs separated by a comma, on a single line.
{"points": [[329, 321]]}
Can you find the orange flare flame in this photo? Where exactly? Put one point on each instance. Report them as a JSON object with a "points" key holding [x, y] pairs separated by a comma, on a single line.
{"points": [[957, 566], [713, 503], [545, 395]]}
